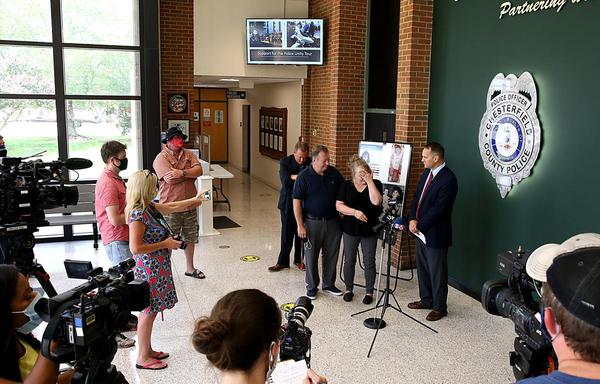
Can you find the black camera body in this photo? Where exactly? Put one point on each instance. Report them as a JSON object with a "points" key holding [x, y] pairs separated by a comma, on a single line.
{"points": [[27, 188], [183, 244], [514, 299], [85, 320], [295, 341]]}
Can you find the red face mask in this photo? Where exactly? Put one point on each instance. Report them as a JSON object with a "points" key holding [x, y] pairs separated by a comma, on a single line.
{"points": [[176, 143]]}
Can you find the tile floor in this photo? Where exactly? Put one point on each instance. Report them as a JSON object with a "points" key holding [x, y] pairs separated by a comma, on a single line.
{"points": [[471, 346]]}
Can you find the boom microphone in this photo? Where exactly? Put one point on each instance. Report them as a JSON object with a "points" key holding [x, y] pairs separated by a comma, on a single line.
{"points": [[75, 163]]}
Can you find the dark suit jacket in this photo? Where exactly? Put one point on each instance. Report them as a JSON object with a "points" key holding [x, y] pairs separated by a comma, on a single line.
{"points": [[435, 213], [288, 167]]}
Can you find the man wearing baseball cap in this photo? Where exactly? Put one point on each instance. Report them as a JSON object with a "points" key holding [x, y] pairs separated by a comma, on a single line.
{"points": [[177, 169], [570, 273]]}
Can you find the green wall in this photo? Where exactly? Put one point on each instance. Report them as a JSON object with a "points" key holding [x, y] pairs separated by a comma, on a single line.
{"points": [[562, 195]]}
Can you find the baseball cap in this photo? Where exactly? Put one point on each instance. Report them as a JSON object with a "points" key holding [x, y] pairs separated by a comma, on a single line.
{"points": [[573, 273]]}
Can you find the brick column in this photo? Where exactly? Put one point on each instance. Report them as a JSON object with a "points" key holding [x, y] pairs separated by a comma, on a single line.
{"points": [[333, 94], [412, 103], [177, 56]]}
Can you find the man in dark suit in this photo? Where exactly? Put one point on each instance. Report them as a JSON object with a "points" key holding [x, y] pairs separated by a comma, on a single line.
{"points": [[431, 215], [289, 167]]}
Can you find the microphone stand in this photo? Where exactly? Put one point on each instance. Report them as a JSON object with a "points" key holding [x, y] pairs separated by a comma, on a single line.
{"points": [[383, 301]]}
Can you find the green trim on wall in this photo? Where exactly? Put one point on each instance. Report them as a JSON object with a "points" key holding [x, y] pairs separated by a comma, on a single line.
{"points": [[562, 196]]}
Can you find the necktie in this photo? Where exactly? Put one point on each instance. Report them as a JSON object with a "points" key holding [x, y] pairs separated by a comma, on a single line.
{"points": [[424, 192]]}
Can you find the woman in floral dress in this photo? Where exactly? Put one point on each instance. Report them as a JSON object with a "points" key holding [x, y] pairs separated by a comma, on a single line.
{"points": [[151, 245]]}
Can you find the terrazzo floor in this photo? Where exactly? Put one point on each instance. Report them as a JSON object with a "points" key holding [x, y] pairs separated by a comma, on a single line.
{"points": [[471, 346]]}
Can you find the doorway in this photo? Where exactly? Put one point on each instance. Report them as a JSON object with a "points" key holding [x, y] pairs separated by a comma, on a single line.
{"points": [[213, 121], [246, 135]]}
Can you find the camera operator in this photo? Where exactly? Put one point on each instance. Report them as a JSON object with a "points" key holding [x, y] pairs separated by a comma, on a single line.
{"points": [[359, 200], [240, 338], [19, 350], [151, 244], [571, 298]]}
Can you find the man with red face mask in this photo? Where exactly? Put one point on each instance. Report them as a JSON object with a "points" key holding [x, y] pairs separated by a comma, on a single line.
{"points": [[177, 169]]}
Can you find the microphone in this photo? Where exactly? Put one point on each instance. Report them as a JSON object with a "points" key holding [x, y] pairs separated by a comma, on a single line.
{"points": [[75, 163], [42, 309], [398, 223], [10, 161]]}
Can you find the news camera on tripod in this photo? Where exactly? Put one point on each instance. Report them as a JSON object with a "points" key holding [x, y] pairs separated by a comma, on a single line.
{"points": [[26, 189]]}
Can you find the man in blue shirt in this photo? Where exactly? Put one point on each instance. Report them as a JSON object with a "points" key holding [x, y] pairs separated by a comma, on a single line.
{"points": [[571, 298], [315, 193]]}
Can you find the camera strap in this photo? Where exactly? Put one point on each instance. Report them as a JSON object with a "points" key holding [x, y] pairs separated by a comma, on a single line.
{"points": [[160, 219]]}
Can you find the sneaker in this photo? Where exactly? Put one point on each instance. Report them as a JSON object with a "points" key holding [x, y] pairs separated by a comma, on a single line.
{"points": [[300, 266], [333, 291], [124, 341], [312, 293], [348, 296], [368, 299]]}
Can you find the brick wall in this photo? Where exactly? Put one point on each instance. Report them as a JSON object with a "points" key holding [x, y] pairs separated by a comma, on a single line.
{"points": [[412, 103], [177, 56], [333, 94]]}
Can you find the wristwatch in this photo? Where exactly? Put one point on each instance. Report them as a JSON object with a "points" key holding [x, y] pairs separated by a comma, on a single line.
{"points": [[183, 172]]}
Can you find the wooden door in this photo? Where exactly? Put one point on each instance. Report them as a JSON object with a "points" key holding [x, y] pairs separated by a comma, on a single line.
{"points": [[213, 121]]}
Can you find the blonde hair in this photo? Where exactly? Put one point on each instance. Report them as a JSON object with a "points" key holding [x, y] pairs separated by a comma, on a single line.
{"points": [[141, 189], [358, 162]]}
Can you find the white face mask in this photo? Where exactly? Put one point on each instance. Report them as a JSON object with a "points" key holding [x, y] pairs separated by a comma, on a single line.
{"points": [[272, 361], [34, 319]]}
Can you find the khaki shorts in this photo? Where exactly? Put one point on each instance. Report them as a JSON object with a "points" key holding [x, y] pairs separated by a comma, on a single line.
{"points": [[185, 223]]}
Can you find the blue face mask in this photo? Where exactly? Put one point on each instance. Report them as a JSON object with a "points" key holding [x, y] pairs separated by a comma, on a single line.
{"points": [[34, 318]]}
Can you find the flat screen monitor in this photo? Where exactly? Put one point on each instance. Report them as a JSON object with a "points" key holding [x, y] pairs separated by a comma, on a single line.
{"points": [[284, 41]]}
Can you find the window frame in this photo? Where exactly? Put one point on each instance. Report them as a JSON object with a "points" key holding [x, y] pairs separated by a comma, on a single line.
{"points": [[60, 97]]}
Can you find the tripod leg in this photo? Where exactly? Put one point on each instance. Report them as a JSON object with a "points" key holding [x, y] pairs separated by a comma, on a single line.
{"points": [[380, 272]]}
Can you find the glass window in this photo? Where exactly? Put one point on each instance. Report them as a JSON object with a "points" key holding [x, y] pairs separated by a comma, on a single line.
{"points": [[111, 22], [25, 20], [102, 72], [91, 123], [26, 70], [29, 127]]}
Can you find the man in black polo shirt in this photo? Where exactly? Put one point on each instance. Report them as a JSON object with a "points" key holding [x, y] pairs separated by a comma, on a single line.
{"points": [[318, 222], [289, 168]]}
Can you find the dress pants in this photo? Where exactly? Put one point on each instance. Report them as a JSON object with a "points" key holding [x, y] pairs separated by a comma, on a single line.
{"points": [[289, 237], [432, 269], [325, 235]]}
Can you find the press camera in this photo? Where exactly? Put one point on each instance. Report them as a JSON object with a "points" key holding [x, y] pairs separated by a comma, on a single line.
{"points": [[26, 189], [515, 298], [295, 341], [85, 320]]}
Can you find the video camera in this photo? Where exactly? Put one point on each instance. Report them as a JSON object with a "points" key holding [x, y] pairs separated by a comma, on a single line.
{"points": [[295, 341], [26, 189], [85, 320], [514, 299]]}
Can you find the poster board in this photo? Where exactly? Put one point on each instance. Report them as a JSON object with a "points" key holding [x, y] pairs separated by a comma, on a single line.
{"points": [[390, 163]]}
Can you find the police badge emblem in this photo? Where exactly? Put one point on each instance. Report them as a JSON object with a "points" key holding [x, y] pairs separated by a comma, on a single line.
{"points": [[510, 134]]}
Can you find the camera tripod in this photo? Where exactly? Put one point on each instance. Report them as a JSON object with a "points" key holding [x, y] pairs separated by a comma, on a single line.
{"points": [[383, 301]]}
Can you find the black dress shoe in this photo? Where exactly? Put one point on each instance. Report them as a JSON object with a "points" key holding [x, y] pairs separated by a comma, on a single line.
{"points": [[277, 267], [417, 305], [435, 315]]}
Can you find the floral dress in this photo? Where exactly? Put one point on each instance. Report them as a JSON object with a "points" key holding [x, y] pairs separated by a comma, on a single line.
{"points": [[155, 267]]}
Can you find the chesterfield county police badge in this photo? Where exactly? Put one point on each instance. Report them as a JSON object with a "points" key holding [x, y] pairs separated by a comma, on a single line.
{"points": [[510, 134]]}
